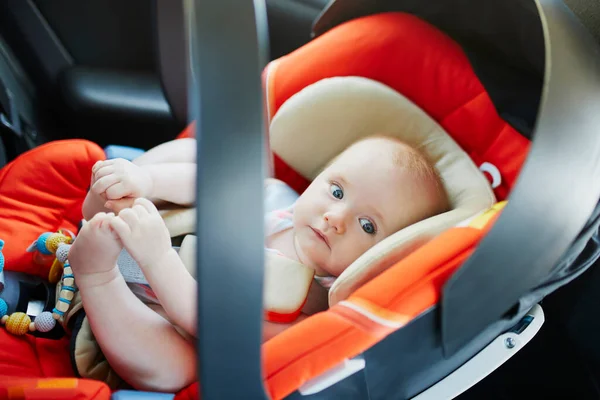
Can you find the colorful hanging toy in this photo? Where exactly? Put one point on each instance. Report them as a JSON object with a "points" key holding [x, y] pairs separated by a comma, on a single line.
{"points": [[44, 249], [56, 245]]}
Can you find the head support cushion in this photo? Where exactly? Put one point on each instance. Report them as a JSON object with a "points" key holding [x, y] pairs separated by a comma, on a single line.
{"points": [[320, 121]]}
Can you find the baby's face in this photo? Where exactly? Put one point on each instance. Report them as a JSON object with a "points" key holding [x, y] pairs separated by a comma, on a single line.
{"points": [[359, 200]]}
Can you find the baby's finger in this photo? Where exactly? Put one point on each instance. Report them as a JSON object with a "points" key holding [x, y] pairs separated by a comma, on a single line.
{"points": [[102, 184], [105, 222], [98, 165], [101, 217], [119, 204], [117, 191], [109, 161], [98, 217], [141, 211], [147, 204], [104, 171], [129, 216], [120, 227]]}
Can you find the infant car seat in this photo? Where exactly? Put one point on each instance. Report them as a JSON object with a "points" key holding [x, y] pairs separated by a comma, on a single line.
{"points": [[385, 334], [427, 324]]}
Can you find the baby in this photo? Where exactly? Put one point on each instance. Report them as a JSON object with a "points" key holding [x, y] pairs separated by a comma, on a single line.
{"points": [[374, 188]]}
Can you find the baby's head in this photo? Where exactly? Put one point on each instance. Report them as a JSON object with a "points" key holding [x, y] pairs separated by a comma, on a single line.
{"points": [[374, 188]]}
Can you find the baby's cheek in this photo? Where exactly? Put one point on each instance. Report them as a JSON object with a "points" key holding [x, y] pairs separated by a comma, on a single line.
{"points": [[360, 247]]}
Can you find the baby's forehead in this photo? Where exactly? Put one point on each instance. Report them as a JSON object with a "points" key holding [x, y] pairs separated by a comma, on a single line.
{"points": [[370, 154]]}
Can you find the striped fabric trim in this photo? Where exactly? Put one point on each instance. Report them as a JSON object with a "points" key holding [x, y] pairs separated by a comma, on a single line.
{"points": [[376, 313]]}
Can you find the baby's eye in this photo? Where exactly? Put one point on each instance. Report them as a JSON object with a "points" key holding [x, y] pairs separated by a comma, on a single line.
{"points": [[367, 226], [337, 191]]}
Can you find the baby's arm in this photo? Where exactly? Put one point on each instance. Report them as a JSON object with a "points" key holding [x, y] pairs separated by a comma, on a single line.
{"points": [[140, 345], [178, 150], [117, 183], [173, 182]]}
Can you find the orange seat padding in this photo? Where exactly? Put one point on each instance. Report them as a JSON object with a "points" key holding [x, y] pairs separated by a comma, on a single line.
{"points": [[41, 191], [417, 60], [16, 387], [188, 132]]}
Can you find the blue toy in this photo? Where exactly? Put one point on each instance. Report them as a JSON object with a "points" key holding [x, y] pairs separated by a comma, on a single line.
{"points": [[3, 308], [1, 256]]}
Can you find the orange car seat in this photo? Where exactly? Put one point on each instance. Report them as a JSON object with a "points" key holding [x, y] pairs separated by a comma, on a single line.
{"points": [[466, 114]]}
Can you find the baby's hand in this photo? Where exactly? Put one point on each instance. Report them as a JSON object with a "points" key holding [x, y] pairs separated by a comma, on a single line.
{"points": [[95, 251], [143, 232], [120, 179]]}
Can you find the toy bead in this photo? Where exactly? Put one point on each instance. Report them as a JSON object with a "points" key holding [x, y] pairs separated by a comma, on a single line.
{"points": [[3, 308], [55, 240], [67, 294], [4, 319], [62, 305], [18, 323], [44, 322], [62, 252], [41, 243], [31, 327], [55, 272]]}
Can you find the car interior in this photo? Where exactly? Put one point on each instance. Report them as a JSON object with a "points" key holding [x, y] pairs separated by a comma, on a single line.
{"points": [[96, 70]]}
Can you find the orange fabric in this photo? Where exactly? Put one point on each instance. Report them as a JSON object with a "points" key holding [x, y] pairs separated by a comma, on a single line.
{"points": [[15, 387], [283, 318], [191, 392], [31, 357], [43, 190], [188, 132], [417, 60]]}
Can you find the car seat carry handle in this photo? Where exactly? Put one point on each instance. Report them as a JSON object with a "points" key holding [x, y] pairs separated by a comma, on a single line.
{"points": [[556, 192], [228, 50]]}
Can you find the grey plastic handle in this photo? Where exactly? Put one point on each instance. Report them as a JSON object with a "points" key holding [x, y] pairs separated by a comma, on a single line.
{"points": [[556, 192], [228, 51]]}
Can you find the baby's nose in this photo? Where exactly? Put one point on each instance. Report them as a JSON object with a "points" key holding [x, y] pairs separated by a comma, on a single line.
{"points": [[336, 220]]}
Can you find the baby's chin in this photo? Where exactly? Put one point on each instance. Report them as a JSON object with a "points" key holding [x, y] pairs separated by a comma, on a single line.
{"points": [[318, 258], [324, 268], [320, 271]]}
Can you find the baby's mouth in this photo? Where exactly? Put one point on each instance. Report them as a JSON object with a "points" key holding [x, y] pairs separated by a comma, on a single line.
{"points": [[321, 235]]}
